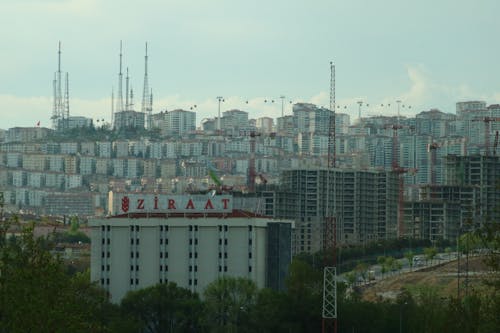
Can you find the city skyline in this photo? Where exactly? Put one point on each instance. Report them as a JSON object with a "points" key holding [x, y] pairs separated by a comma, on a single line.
{"points": [[426, 54]]}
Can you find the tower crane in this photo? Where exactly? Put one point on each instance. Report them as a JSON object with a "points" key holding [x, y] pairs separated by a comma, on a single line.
{"points": [[495, 144], [432, 150], [487, 121], [400, 171]]}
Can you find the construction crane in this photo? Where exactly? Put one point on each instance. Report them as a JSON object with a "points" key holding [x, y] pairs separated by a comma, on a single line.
{"points": [[432, 148], [251, 163], [487, 121], [495, 144], [400, 171]]}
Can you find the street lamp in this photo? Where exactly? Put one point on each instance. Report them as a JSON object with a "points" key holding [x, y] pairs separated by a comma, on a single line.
{"points": [[220, 99]]}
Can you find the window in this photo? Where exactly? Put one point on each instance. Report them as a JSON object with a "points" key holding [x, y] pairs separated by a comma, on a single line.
{"points": [[102, 281], [136, 228], [190, 241], [109, 241], [131, 241], [161, 240], [190, 254], [190, 268], [225, 268], [166, 228], [131, 228], [249, 228], [102, 254], [225, 241], [107, 254], [249, 268], [249, 255], [161, 254], [196, 254], [195, 268], [190, 282], [161, 268], [195, 282], [103, 241], [102, 267], [107, 268], [225, 228], [137, 241], [250, 241], [220, 228], [131, 281], [220, 268], [137, 254], [131, 267], [107, 281], [190, 228], [109, 228], [166, 268], [136, 281], [131, 254], [220, 254], [225, 255], [136, 267], [166, 254], [196, 241], [220, 241], [195, 228], [166, 241], [103, 228]]}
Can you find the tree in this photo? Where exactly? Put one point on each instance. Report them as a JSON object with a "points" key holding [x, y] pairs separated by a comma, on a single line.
{"points": [[163, 308], [228, 301], [409, 256], [38, 295], [430, 253]]}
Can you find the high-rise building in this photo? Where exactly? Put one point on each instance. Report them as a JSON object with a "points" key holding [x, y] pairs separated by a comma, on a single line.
{"points": [[179, 123], [364, 202]]}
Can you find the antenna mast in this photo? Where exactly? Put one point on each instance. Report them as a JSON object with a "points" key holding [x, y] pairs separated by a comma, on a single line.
{"points": [[112, 107], [146, 107], [66, 103], [119, 106]]}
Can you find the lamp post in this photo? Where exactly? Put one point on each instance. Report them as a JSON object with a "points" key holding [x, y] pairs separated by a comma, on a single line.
{"points": [[220, 99]]}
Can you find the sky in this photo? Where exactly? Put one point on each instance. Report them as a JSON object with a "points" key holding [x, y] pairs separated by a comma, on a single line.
{"points": [[426, 53]]}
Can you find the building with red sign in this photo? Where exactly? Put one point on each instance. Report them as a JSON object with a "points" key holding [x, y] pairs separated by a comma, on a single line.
{"points": [[188, 239]]}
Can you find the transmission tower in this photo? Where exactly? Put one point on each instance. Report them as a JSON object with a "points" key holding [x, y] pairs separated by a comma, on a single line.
{"points": [[146, 108], [60, 112], [329, 313], [119, 97]]}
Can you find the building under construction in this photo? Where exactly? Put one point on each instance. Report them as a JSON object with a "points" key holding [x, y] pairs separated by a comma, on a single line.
{"points": [[470, 198], [365, 204]]}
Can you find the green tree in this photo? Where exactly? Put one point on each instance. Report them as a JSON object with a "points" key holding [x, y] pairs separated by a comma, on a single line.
{"points": [[430, 253], [228, 302], [163, 308], [38, 296], [409, 256]]}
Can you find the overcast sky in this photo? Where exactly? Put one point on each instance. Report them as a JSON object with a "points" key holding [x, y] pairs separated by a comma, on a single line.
{"points": [[426, 53]]}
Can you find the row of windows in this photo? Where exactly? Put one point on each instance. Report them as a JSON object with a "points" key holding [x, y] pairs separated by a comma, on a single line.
{"points": [[191, 228], [106, 240], [132, 241], [105, 281], [132, 281], [105, 254], [164, 227], [132, 267], [107, 268], [195, 282], [132, 254], [132, 227], [104, 227]]}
